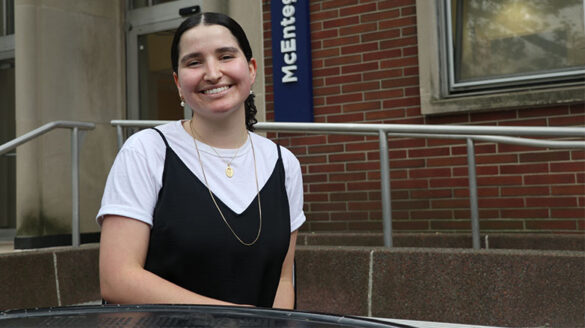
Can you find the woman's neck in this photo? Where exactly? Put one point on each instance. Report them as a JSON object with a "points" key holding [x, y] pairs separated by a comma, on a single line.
{"points": [[219, 134]]}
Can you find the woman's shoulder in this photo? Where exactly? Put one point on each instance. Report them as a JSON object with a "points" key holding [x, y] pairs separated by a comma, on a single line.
{"points": [[147, 141], [268, 145]]}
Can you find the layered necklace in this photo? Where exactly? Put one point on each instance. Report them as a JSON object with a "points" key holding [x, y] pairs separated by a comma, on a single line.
{"points": [[229, 172]]}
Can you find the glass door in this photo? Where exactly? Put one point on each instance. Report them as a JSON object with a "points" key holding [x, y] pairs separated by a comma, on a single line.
{"points": [[157, 92], [7, 133], [7, 121], [152, 94]]}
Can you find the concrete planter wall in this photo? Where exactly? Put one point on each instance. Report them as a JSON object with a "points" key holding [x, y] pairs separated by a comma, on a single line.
{"points": [[49, 277], [485, 287]]}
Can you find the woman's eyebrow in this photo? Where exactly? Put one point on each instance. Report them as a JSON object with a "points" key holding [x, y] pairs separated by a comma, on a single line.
{"points": [[189, 56], [226, 49]]}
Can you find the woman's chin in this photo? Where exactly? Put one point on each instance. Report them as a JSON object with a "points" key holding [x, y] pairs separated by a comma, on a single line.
{"points": [[218, 112]]}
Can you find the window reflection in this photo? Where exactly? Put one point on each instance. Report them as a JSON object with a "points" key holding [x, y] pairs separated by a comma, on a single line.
{"points": [[158, 94], [7, 133], [139, 4], [156, 2], [6, 17], [516, 37]]}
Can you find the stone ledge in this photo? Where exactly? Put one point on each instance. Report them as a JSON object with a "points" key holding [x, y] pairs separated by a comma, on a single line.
{"points": [[35, 242], [49, 277], [483, 287], [569, 242], [27, 280]]}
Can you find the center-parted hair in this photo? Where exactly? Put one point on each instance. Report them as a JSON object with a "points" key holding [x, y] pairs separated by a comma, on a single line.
{"points": [[209, 18]]}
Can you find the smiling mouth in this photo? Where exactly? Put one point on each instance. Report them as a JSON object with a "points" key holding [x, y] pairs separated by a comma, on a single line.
{"points": [[215, 90]]}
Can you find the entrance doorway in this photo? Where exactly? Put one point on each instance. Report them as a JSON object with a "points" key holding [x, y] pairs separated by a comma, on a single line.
{"points": [[152, 94]]}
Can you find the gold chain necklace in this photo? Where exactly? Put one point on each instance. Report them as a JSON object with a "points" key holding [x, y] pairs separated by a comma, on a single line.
{"points": [[215, 202], [229, 171]]}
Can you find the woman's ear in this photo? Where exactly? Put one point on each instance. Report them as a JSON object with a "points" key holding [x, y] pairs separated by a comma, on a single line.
{"points": [[252, 67], [176, 78]]}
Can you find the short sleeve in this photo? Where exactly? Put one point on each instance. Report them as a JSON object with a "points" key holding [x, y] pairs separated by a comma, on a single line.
{"points": [[294, 189], [134, 180]]}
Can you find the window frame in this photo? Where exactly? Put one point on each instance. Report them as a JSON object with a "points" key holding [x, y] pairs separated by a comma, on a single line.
{"points": [[531, 78], [438, 98]]}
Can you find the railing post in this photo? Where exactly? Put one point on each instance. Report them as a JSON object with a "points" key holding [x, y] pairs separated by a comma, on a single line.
{"points": [[75, 187], [120, 133], [473, 193], [385, 184]]}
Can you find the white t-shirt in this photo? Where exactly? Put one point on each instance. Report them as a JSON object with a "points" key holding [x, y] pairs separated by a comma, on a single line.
{"points": [[135, 179]]}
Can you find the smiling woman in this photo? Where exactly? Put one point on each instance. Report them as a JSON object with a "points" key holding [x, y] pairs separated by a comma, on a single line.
{"points": [[214, 77], [203, 211]]}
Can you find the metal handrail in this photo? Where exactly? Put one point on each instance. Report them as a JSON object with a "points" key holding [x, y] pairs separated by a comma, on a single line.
{"points": [[76, 129], [470, 133]]}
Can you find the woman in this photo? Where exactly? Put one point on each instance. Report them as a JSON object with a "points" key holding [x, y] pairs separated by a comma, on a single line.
{"points": [[203, 211]]}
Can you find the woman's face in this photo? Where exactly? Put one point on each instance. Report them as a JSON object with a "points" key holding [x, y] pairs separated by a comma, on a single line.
{"points": [[214, 76]]}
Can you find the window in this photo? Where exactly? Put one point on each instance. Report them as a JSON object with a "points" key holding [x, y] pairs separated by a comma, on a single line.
{"points": [[134, 4], [151, 91], [513, 42], [7, 133], [7, 112], [495, 54], [6, 17], [6, 29]]}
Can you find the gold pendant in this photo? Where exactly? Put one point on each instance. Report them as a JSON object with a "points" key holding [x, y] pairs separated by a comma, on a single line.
{"points": [[229, 172]]}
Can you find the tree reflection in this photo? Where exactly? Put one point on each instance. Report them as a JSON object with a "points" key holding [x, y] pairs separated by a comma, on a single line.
{"points": [[499, 38]]}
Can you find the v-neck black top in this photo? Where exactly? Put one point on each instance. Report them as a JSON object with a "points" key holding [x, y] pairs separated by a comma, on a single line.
{"points": [[191, 246]]}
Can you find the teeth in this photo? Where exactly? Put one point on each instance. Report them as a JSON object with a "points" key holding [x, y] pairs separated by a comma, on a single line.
{"points": [[216, 90]]}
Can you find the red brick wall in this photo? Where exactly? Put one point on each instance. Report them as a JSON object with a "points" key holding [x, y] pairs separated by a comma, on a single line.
{"points": [[365, 69]]}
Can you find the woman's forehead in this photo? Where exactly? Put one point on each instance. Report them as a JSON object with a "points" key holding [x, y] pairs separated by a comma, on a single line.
{"points": [[203, 36]]}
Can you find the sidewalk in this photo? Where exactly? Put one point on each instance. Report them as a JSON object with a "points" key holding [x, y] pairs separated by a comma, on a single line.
{"points": [[6, 247]]}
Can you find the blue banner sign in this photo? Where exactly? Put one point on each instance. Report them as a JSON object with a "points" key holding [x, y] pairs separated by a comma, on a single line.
{"points": [[291, 61]]}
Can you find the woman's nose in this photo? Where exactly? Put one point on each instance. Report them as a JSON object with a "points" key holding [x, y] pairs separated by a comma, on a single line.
{"points": [[213, 71]]}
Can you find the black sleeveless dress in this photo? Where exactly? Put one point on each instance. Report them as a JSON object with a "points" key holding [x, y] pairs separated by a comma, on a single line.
{"points": [[191, 246]]}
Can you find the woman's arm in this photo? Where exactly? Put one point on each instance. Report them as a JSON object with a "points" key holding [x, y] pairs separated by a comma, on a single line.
{"points": [[123, 279], [285, 294]]}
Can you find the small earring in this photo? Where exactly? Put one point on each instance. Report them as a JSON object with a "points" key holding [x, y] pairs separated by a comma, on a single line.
{"points": [[251, 92], [182, 103]]}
